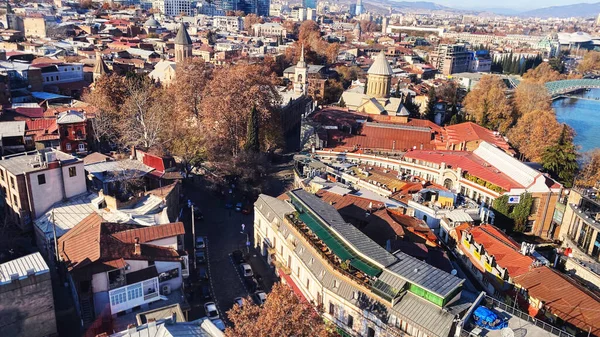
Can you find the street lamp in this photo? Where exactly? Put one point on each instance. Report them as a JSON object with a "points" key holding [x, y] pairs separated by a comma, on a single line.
{"points": [[191, 206]]}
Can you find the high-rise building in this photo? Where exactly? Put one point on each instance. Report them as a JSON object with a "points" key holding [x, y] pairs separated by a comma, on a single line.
{"points": [[262, 7], [452, 58], [309, 3], [229, 5], [173, 7], [359, 7], [598, 20]]}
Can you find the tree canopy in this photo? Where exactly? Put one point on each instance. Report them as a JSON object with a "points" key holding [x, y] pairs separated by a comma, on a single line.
{"points": [[283, 314], [488, 105]]}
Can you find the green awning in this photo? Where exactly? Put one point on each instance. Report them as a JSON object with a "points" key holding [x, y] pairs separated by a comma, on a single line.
{"points": [[339, 248], [365, 267]]}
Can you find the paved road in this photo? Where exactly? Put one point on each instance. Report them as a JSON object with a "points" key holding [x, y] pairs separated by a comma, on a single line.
{"points": [[222, 228]]}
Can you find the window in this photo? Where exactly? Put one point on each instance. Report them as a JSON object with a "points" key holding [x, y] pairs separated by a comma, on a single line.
{"points": [[2, 174], [15, 200], [308, 284], [298, 272], [331, 308], [68, 146], [134, 293], [336, 283], [370, 332], [12, 182], [118, 298], [41, 179], [72, 171], [81, 147], [350, 321]]}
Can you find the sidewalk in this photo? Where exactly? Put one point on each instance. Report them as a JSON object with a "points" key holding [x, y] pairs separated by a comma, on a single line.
{"points": [[260, 267]]}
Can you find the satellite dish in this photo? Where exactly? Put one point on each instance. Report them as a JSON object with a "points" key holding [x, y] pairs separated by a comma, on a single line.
{"points": [[507, 332], [454, 272]]}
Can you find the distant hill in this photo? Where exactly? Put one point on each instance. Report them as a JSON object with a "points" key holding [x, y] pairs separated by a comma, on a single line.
{"points": [[586, 10], [432, 6]]}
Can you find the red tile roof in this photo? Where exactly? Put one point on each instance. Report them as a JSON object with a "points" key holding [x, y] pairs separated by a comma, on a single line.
{"points": [[468, 162], [42, 129], [469, 131], [151, 233], [383, 137], [94, 241], [37, 112], [504, 249], [563, 297]]}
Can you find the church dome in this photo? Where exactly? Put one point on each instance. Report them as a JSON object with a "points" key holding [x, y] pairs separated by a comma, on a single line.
{"points": [[151, 23], [380, 66]]}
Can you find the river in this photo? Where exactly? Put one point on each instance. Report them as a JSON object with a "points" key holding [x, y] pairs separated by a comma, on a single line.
{"points": [[583, 115]]}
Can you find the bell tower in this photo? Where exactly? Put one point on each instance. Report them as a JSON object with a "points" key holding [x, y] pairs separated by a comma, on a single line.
{"points": [[183, 44], [301, 75]]}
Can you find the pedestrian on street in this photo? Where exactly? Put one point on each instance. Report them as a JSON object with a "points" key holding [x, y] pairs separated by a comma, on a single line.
{"points": [[243, 227]]}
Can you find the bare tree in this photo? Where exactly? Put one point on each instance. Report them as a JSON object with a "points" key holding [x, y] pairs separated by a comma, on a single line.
{"points": [[144, 116]]}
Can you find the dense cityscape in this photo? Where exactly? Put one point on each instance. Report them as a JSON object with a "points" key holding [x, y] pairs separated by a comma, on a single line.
{"points": [[314, 168]]}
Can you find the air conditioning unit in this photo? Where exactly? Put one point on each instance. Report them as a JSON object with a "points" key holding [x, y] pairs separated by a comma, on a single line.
{"points": [[166, 289]]}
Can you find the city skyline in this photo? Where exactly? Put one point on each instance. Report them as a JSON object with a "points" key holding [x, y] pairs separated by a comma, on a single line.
{"points": [[510, 4]]}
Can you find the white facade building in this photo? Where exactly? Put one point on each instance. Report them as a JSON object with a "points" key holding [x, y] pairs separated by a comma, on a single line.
{"points": [[228, 23], [380, 297], [173, 7]]}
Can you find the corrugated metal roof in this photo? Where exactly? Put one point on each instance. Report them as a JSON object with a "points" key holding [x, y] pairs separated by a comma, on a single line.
{"points": [[425, 315], [32, 264], [12, 129], [424, 275], [118, 170], [357, 240]]}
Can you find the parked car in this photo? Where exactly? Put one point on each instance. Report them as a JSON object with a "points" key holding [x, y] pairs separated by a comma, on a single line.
{"points": [[211, 310], [260, 297], [200, 242], [198, 215], [203, 272], [238, 256], [238, 206], [219, 324], [246, 270], [205, 291], [238, 301], [251, 284], [200, 256]]}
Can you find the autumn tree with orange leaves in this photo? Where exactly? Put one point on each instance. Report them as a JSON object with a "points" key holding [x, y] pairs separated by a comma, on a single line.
{"points": [[283, 314], [488, 104]]}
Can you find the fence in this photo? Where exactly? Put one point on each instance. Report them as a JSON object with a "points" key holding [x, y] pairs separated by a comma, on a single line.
{"points": [[494, 303]]}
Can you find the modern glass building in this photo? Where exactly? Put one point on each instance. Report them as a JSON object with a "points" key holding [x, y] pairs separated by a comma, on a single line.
{"points": [[309, 3]]}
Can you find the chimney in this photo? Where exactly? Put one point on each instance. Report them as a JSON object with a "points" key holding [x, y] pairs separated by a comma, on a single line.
{"points": [[174, 318], [131, 329], [138, 249], [152, 325]]}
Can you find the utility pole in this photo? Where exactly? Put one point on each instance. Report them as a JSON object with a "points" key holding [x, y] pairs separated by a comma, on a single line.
{"points": [[54, 234]]}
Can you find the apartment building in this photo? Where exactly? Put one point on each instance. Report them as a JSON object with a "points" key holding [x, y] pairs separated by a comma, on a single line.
{"points": [[452, 58], [173, 7], [58, 73], [363, 289], [228, 23], [34, 181], [269, 30]]}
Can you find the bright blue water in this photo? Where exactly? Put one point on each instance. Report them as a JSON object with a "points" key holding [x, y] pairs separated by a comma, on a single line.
{"points": [[583, 116]]}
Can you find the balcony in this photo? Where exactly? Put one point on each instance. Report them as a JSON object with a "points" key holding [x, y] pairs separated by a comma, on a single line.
{"points": [[127, 297]]}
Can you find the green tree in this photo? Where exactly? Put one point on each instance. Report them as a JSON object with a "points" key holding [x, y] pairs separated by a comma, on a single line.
{"points": [[521, 212], [431, 100], [252, 140], [561, 158]]}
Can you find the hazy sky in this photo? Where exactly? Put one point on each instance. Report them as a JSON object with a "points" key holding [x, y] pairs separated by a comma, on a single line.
{"points": [[516, 4]]}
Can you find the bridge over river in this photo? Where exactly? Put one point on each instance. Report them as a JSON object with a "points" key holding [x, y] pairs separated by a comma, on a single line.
{"points": [[560, 88]]}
